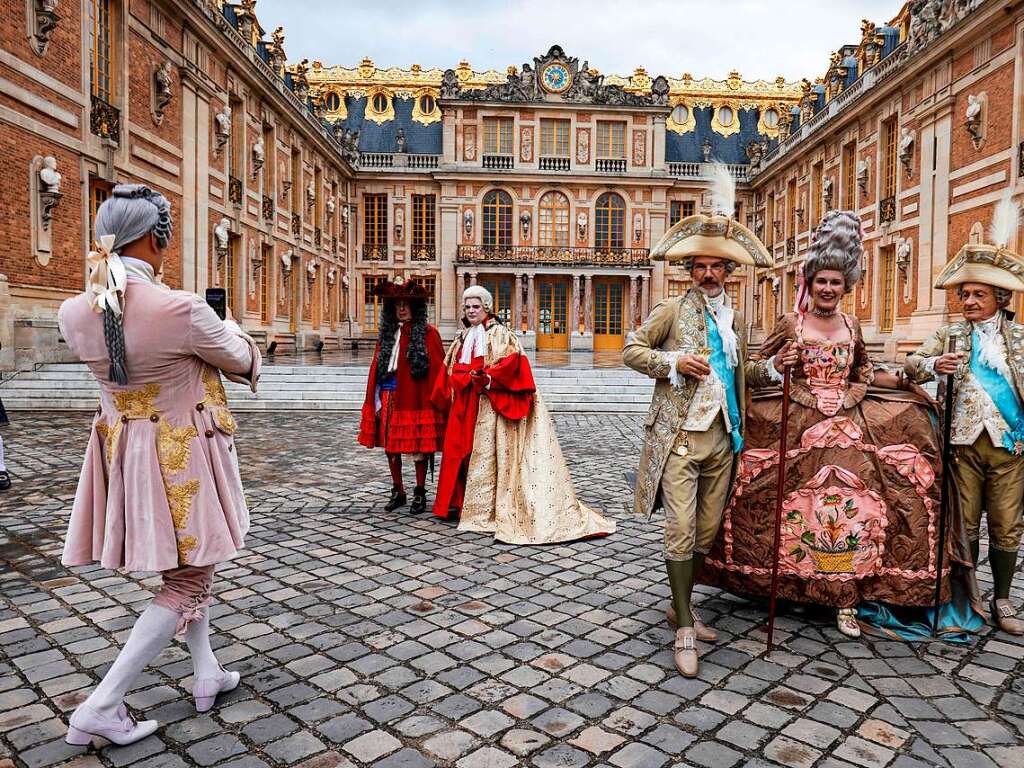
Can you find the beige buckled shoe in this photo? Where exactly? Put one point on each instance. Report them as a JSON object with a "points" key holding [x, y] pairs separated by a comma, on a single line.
{"points": [[846, 622], [704, 632], [686, 651], [1005, 616]]}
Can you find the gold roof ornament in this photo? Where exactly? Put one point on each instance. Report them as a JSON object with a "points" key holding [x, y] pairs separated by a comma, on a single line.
{"points": [[989, 263], [717, 234]]}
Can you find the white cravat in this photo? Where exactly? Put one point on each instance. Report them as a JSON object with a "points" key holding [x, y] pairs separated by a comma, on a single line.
{"points": [[723, 312], [991, 347], [474, 345], [393, 361], [139, 268]]}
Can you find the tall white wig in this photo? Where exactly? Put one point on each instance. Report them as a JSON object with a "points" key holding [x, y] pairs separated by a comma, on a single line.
{"points": [[481, 293]]}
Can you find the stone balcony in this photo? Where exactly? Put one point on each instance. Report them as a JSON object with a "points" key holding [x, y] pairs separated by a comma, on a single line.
{"points": [[539, 255]]}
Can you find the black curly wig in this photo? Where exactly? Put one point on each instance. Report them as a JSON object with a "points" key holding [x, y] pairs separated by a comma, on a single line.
{"points": [[419, 362]]}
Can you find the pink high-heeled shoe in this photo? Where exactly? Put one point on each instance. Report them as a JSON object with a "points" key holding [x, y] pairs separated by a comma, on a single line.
{"points": [[86, 723], [205, 691]]}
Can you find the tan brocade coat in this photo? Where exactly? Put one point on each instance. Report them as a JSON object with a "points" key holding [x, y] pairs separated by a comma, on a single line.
{"points": [[938, 344], [676, 324]]}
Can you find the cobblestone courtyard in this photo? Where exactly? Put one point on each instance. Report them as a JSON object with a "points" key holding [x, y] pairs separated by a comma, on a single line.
{"points": [[369, 638]]}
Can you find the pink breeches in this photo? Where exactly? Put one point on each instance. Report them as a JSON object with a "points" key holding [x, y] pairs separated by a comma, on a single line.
{"points": [[186, 591]]}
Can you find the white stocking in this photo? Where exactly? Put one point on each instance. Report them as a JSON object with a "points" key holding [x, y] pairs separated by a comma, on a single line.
{"points": [[153, 630], [197, 637]]}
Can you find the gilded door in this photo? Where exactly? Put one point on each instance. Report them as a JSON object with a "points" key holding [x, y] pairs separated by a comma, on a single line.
{"points": [[552, 313], [609, 327]]}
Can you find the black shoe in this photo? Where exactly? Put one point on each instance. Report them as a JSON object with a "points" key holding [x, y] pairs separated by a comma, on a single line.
{"points": [[419, 500], [5, 481], [397, 499], [454, 513]]}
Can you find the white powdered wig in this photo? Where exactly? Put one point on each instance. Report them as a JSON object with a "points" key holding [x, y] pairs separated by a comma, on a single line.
{"points": [[479, 292], [722, 186], [1005, 218]]}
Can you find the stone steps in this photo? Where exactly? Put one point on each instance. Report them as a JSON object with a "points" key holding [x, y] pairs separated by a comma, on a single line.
{"points": [[70, 387]]}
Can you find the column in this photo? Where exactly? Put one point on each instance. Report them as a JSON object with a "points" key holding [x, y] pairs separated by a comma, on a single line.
{"points": [[634, 296], [645, 296], [451, 280], [588, 304], [531, 301], [472, 278], [574, 323], [517, 304]]}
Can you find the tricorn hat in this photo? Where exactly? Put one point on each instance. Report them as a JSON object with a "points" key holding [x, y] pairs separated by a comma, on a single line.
{"points": [[992, 264], [715, 235], [398, 288]]}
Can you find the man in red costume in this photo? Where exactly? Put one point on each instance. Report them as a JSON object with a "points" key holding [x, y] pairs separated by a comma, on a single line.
{"points": [[398, 415], [502, 470]]}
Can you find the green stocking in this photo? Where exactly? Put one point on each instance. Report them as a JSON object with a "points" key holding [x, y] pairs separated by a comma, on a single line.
{"points": [[975, 552], [680, 578], [1003, 564]]}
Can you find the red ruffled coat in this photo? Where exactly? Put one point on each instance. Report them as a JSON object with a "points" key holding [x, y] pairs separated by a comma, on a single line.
{"points": [[413, 425]]}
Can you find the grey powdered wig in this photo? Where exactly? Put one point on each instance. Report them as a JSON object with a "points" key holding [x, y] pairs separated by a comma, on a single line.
{"points": [[836, 245], [132, 211]]}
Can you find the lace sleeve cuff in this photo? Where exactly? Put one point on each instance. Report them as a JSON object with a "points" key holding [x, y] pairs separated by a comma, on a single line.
{"points": [[773, 373]]}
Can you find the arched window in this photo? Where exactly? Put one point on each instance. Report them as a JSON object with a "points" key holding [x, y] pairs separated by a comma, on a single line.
{"points": [[380, 103], [554, 220], [497, 220], [609, 221], [427, 104], [332, 101]]}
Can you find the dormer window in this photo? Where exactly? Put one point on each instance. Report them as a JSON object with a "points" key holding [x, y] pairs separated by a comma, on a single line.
{"points": [[427, 104], [332, 101], [379, 103], [681, 114], [771, 118], [725, 115]]}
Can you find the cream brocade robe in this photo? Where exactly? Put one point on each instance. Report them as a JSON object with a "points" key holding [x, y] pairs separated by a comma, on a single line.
{"points": [[518, 486]]}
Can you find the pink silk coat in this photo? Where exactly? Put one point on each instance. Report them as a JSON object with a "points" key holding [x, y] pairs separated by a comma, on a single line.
{"points": [[160, 486]]}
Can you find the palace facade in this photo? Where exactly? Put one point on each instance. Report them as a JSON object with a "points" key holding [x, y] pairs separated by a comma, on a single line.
{"points": [[299, 187]]}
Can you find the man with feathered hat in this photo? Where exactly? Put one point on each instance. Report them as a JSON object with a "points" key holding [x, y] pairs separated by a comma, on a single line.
{"points": [[985, 354], [694, 347], [397, 413]]}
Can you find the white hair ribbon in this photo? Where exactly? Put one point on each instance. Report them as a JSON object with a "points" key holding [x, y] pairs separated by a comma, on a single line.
{"points": [[107, 277]]}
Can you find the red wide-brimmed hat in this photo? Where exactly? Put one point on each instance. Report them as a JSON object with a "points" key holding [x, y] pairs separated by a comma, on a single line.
{"points": [[401, 289]]}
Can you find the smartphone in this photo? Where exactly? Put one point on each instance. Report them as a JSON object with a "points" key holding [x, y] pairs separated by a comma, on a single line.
{"points": [[218, 299]]}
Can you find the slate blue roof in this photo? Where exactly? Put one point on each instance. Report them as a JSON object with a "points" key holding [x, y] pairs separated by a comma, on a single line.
{"points": [[688, 147], [419, 139]]}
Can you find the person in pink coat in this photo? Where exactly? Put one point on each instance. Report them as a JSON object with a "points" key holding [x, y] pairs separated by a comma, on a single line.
{"points": [[160, 488]]}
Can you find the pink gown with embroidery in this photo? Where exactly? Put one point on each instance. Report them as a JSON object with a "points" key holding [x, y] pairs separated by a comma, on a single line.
{"points": [[862, 495]]}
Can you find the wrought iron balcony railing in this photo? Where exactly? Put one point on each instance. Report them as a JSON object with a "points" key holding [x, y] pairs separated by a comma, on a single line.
{"points": [[375, 252], [554, 164], [105, 120], [235, 190], [887, 210], [423, 253], [540, 254], [610, 165]]}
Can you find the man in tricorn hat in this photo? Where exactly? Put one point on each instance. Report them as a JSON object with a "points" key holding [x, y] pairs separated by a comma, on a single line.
{"points": [[397, 413], [694, 346], [985, 354]]}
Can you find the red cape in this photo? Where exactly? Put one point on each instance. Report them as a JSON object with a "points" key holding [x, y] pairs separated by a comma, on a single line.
{"points": [[511, 395], [416, 426]]}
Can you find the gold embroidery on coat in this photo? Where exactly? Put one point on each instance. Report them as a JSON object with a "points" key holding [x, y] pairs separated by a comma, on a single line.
{"points": [[223, 418], [179, 499], [185, 545], [137, 403], [110, 434], [174, 446], [215, 394]]}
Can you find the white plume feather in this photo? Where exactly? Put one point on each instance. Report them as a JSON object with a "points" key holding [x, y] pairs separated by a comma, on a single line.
{"points": [[723, 190], [1005, 218]]}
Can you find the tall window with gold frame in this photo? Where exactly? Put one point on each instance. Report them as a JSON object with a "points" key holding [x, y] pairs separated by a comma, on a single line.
{"points": [[791, 208], [266, 275], [424, 227], [889, 163], [498, 135], [887, 308], [554, 137], [496, 231], [732, 290], [230, 275], [101, 49], [372, 305], [236, 142], [817, 192], [99, 190], [850, 176], [500, 288], [375, 225], [429, 284], [609, 222], [769, 221], [553, 220], [611, 140]]}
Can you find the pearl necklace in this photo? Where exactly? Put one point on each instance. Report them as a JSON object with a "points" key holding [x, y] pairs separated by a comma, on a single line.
{"points": [[824, 313]]}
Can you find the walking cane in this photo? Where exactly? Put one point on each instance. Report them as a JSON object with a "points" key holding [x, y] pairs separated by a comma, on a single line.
{"points": [[947, 482], [779, 495]]}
